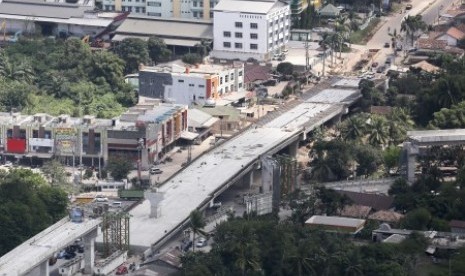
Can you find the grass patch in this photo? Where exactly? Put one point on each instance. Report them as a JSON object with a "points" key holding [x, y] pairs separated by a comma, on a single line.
{"points": [[362, 36]]}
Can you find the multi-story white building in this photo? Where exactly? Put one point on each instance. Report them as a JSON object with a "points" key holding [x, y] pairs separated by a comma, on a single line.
{"points": [[188, 85], [201, 9], [244, 29]]}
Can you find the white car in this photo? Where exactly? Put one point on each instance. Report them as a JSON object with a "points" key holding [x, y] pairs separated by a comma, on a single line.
{"points": [[101, 198], [201, 242]]}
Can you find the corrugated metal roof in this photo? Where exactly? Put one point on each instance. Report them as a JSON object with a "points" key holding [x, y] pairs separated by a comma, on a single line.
{"points": [[166, 28], [42, 9]]}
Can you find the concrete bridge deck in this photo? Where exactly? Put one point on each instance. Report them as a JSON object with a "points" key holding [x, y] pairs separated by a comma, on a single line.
{"points": [[198, 183]]}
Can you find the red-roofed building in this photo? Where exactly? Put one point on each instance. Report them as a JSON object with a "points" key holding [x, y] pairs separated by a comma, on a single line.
{"points": [[452, 36]]}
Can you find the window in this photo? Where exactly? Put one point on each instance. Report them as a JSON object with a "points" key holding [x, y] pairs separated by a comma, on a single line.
{"points": [[226, 78], [253, 25], [201, 4], [270, 45], [212, 4], [253, 36], [137, 9], [238, 35], [240, 85], [191, 85], [194, 3], [221, 80], [154, 4], [238, 45], [201, 86], [211, 14], [253, 46], [201, 14], [239, 73], [227, 34], [180, 80], [227, 44], [238, 24], [129, 9], [232, 76], [154, 14], [194, 14]]}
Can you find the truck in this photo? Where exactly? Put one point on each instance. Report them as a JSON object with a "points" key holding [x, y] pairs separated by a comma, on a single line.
{"points": [[131, 194]]}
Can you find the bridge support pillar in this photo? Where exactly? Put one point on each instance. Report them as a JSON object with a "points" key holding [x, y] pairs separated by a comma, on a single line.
{"points": [[411, 151], [43, 268], [293, 147], [89, 251]]}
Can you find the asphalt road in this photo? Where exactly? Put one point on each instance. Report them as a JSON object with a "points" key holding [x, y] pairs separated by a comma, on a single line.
{"points": [[427, 8]]}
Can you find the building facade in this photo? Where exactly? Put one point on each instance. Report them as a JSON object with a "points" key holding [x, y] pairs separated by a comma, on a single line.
{"points": [[191, 85], [250, 29], [144, 133], [200, 9]]}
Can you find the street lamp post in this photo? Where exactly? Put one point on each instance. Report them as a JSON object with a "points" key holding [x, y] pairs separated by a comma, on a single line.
{"points": [[439, 9], [221, 125]]}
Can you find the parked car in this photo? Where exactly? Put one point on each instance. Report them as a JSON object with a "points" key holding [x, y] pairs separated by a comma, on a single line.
{"points": [[201, 242], [117, 204], [374, 64], [387, 45], [100, 198], [8, 164], [408, 7], [155, 170]]}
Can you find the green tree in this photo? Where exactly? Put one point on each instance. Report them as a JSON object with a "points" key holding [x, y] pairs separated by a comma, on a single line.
{"points": [[158, 51], [27, 206], [411, 25], [55, 173], [378, 131], [285, 68], [417, 219], [354, 127], [192, 58], [119, 167], [134, 52], [197, 223], [391, 157]]}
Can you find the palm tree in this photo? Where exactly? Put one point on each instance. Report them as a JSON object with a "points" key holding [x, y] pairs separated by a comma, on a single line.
{"points": [[394, 37], [353, 128], [341, 30], [378, 131], [247, 252], [197, 223], [412, 24], [299, 256]]}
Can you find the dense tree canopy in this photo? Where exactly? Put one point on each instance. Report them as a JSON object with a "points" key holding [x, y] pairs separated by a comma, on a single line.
{"points": [[27, 206], [62, 76], [263, 246]]}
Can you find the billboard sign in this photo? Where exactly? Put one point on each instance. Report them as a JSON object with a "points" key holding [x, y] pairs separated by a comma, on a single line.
{"points": [[65, 140]]}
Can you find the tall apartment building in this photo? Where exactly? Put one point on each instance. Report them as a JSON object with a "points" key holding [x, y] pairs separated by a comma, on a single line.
{"points": [[189, 85], [201, 9], [144, 132], [244, 29]]}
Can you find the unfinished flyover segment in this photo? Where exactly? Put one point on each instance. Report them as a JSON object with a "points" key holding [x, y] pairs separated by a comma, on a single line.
{"points": [[197, 185]]}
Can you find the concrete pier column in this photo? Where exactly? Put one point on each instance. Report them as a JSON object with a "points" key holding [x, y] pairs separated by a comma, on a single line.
{"points": [[247, 179], [411, 151], [293, 148], [89, 251], [44, 268]]}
